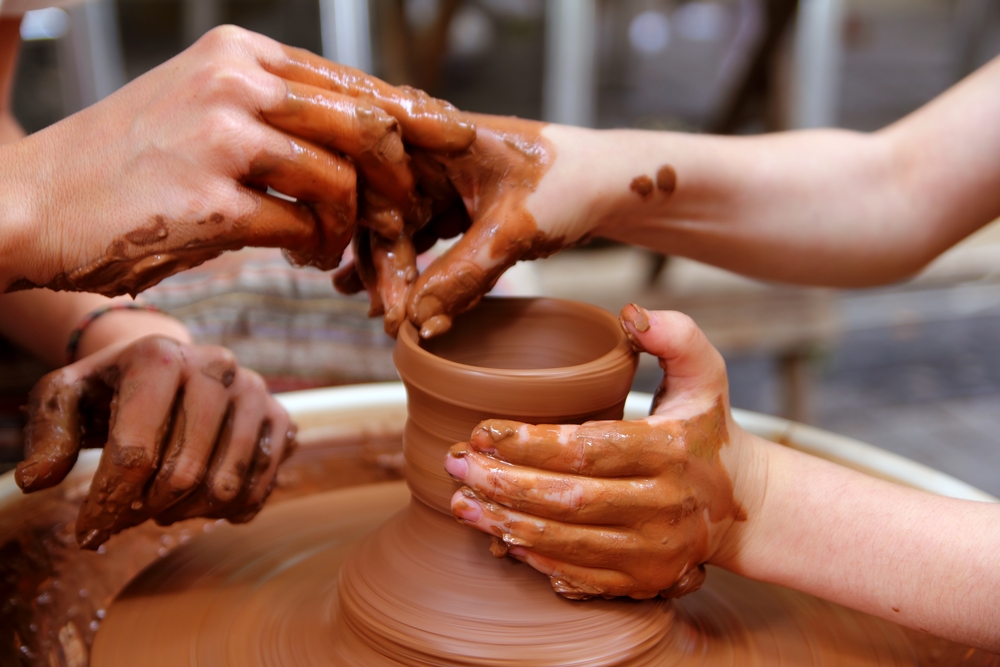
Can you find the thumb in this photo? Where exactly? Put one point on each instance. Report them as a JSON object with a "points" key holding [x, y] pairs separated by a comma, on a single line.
{"points": [[52, 437], [694, 373]]}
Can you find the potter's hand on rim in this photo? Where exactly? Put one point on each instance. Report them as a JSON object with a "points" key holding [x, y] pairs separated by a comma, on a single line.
{"points": [[186, 432], [481, 193], [615, 508], [174, 168]]}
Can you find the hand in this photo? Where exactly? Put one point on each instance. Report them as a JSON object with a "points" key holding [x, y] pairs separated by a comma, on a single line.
{"points": [[172, 170], [186, 432], [486, 193], [617, 508]]}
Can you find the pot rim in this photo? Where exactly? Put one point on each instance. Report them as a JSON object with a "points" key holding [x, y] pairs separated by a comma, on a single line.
{"points": [[481, 387]]}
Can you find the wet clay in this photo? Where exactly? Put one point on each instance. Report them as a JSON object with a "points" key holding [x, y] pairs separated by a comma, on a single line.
{"points": [[642, 186], [265, 594], [494, 177], [666, 179]]}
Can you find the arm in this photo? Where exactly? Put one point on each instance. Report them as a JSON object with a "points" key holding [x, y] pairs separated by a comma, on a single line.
{"points": [[824, 207], [634, 508], [174, 168], [917, 559]]}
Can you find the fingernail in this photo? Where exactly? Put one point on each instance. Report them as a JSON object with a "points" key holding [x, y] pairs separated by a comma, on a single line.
{"points": [[634, 320], [435, 326], [467, 509], [517, 552], [638, 317], [457, 467]]}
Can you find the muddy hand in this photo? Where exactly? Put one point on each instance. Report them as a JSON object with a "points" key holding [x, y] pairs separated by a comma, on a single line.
{"points": [[493, 178], [186, 432], [140, 191], [614, 508]]}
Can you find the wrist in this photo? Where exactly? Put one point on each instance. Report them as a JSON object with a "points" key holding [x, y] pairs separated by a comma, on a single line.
{"points": [[121, 327], [747, 461], [570, 199]]}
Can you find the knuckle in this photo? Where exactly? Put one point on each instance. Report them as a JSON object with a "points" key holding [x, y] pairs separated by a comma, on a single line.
{"points": [[225, 37], [156, 348], [185, 476], [224, 486], [684, 327], [250, 382]]}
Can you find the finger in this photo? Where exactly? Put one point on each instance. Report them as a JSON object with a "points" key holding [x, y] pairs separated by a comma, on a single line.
{"points": [[449, 223], [560, 496], [200, 416], [595, 449], [235, 454], [346, 279], [366, 133], [200, 503], [149, 374], [52, 434], [584, 545], [426, 121], [271, 223], [395, 265], [694, 372], [688, 583], [381, 215], [362, 247], [64, 407], [432, 177], [275, 444], [325, 181], [457, 280], [582, 583]]}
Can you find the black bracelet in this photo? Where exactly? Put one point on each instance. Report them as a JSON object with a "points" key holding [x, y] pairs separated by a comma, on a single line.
{"points": [[74, 337]]}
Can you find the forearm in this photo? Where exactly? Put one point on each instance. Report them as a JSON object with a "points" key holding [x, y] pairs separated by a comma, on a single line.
{"points": [[824, 207], [40, 321], [924, 561]]}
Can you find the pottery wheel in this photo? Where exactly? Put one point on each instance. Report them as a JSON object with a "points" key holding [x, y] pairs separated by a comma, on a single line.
{"points": [[266, 594]]}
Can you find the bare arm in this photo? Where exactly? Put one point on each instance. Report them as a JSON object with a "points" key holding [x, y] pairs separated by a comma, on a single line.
{"points": [[653, 499], [820, 207], [924, 561], [823, 207]]}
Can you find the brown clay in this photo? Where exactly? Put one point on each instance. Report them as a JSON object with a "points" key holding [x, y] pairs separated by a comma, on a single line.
{"points": [[666, 179], [642, 185], [494, 177]]}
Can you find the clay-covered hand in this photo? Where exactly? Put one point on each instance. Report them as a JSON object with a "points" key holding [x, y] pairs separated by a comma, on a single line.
{"points": [[616, 508], [174, 168], [186, 432], [492, 181], [482, 193]]}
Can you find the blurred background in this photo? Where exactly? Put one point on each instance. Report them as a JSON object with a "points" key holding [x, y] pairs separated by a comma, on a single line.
{"points": [[912, 368]]}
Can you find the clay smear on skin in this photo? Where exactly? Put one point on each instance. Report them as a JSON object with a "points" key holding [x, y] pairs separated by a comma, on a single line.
{"points": [[666, 182], [499, 171]]}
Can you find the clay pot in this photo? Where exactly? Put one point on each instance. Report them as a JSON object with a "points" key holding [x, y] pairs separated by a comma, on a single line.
{"points": [[425, 590]]}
